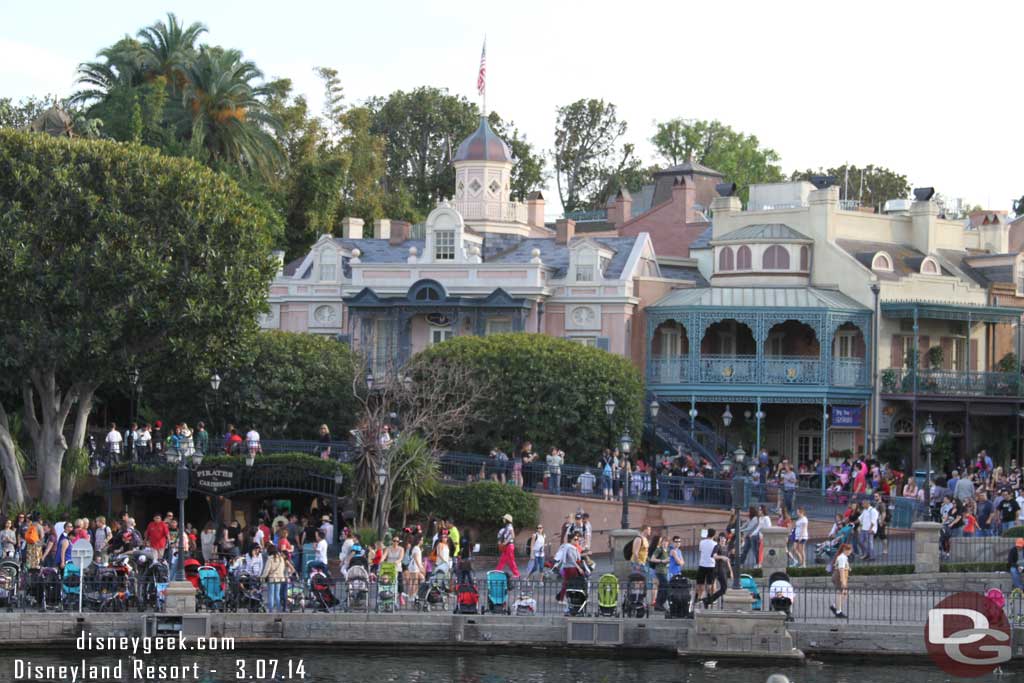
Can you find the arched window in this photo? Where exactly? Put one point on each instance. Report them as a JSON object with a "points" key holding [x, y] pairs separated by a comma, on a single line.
{"points": [[775, 258], [881, 261], [743, 258], [805, 258], [929, 266], [725, 259]]}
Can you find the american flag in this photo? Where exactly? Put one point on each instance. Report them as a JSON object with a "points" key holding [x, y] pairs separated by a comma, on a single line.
{"points": [[481, 78]]}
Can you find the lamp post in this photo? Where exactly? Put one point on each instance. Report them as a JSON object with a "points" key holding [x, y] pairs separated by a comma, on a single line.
{"points": [[726, 421], [181, 489], [609, 410], [693, 419], [739, 489], [759, 415], [625, 445], [133, 378], [215, 385], [654, 407], [382, 481], [928, 439], [339, 478]]}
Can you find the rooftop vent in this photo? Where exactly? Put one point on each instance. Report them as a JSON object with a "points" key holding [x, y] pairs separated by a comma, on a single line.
{"points": [[924, 194], [821, 182], [726, 189]]}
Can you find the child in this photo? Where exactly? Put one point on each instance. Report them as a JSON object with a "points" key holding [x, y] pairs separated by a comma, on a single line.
{"points": [[378, 557]]}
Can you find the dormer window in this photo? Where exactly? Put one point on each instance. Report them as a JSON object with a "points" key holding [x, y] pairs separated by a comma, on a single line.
{"points": [[882, 262], [584, 273], [586, 262], [776, 258], [444, 245], [328, 265], [725, 260], [743, 259], [929, 266]]}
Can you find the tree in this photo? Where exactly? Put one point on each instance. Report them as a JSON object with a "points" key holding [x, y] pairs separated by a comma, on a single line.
{"points": [[114, 256], [738, 156], [168, 49], [872, 185], [547, 390], [587, 133], [528, 170]]}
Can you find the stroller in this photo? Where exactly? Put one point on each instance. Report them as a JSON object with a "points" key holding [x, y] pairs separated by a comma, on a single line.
{"points": [[323, 597], [576, 596], [153, 587], [357, 585], [467, 599], [247, 593], [433, 593], [387, 587], [497, 593], [44, 587], [635, 603], [748, 583], [10, 573], [111, 587], [825, 551], [678, 598], [781, 594], [525, 605], [192, 571], [211, 588], [71, 586], [608, 596]]}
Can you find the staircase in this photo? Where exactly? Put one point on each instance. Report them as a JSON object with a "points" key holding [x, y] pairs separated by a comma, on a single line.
{"points": [[672, 427]]}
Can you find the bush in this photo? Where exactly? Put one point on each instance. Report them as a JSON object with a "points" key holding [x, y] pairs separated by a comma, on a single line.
{"points": [[483, 504], [548, 390], [961, 567], [1014, 532]]}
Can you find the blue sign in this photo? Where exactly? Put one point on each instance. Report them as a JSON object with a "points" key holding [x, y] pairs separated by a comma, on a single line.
{"points": [[847, 416]]}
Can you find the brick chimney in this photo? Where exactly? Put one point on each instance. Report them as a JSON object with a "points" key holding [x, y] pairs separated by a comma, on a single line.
{"points": [[622, 209], [382, 229], [535, 209], [565, 228], [684, 196], [352, 228], [400, 231]]}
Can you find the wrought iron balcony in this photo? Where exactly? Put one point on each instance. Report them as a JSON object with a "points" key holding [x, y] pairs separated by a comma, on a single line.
{"points": [[749, 369], [936, 382]]}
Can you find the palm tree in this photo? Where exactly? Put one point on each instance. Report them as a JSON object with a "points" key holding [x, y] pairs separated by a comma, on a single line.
{"points": [[121, 67], [169, 48], [226, 113]]}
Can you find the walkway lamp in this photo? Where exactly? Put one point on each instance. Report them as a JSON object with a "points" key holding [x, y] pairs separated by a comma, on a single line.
{"points": [[407, 383], [726, 421], [928, 439], [369, 381], [339, 478], [133, 379], [609, 410], [739, 490], [215, 385], [382, 480], [693, 419], [182, 480], [625, 446], [215, 382], [759, 416], [654, 407]]}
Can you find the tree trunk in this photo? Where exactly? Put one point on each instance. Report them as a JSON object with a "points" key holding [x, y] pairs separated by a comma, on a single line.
{"points": [[78, 435], [14, 479], [45, 425]]}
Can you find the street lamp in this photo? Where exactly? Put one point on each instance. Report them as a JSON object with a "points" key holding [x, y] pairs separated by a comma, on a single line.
{"points": [[407, 383], [609, 410], [625, 445], [928, 439], [759, 416], [339, 478], [215, 385], [654, 407], [739, 489], [369, 381], [693, 419], [183, 475], [382, 480], [726, 421], [133, 379]]}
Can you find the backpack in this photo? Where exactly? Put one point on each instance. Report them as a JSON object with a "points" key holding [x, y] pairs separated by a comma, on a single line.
{"points": [[32, 534], [627, 551]]}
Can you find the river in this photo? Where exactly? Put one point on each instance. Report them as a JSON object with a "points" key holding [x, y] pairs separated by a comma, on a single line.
{"points": [[485, 667]]}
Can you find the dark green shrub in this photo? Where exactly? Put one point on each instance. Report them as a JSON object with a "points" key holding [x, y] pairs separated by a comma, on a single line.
{"points": [[954, 567], [482, 504], [1014, 532]]}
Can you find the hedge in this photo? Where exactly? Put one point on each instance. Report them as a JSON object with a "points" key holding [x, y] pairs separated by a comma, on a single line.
{"points": [[954, 567], [483, 504], [1014, 532]]}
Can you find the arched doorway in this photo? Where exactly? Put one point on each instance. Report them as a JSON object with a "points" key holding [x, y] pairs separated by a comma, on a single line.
{"points": [[792, 354], [848, 354], [728, 352], [670, 348]]}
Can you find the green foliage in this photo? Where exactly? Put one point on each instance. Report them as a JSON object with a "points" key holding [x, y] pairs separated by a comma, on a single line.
{"points": [[587, 134], [890, 380], [935, 357], [548, 390], [483, 504], [965, 567], [368, 536], [1007, 363], [872, 185], [892, 453], [417, 473], [1014, 532], [528, 172], [737, 155]]}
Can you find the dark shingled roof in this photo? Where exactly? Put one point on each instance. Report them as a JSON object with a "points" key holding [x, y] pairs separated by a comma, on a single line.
{"points": [[292, 266], [703, 240], [688, 273], [688, 167], [975, 268], [906, 259]]}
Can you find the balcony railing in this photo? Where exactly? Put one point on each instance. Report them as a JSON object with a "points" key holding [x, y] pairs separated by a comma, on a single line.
{"points": [[747, 369], [510, 212], [950, 382]]}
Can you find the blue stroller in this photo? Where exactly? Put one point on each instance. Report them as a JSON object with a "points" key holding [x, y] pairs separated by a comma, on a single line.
{"points": [[748, 583], [497, 593], [211, 588], [71, 585]]}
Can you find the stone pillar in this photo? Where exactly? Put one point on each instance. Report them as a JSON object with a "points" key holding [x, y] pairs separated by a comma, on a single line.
{"points": [[926, 547], [181, 598], [619, 539], [775, 558], [739, 600]]}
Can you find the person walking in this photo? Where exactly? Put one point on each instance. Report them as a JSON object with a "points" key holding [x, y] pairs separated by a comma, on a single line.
{"points": [[788, 488], [800, 537], [274, 577], [659, 561], [706, 565], [536, 545], [507, 547], [841, 579], [868, 527], [751, 534], [723, 571]]}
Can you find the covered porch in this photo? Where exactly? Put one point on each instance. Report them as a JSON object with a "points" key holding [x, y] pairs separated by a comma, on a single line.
{"points": [[390, 330]]}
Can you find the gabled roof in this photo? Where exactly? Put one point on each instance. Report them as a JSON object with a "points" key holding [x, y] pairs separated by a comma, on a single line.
{"points": [[689, 167], [763, 231], [906, 260], [759, 297], [703, 241]]}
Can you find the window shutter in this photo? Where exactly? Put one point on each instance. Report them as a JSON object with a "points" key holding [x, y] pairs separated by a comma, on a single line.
{"points": [[859, 351], [896, 352], [946, 343], [974, 354], [923, 344], [603, 343]]}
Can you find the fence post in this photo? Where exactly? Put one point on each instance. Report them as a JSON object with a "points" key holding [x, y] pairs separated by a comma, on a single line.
{"points": [[619, 539], [775, 557], [926, 547]]}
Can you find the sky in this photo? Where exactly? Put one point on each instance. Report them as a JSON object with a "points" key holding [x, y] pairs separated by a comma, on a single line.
{"points": [[930, 89]]}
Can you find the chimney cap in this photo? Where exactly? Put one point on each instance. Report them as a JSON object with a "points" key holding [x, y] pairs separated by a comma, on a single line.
{"points": [[822, 182], [924, 194], [726, 189], [536, 194], [623, 193]]}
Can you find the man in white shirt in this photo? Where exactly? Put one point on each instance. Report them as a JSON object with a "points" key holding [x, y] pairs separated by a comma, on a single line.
{"points": [[327, 528], [868, 521], [252, 441], [142, 442], [706, 565], [321, 547], [346, 551], [113, 441], [536, 548], [587, 480]]}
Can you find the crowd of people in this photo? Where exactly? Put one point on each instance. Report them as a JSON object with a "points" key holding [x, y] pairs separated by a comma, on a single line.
{"points": [[143, 441]]}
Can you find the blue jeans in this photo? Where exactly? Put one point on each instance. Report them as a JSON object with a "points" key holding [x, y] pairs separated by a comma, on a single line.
{"points": [[1018, 582], [274, 592], [556, 482], [867, 544], [789, 499]]}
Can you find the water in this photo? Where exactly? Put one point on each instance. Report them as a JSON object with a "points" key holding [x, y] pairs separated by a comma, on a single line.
{"points": [[488, 667]]}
